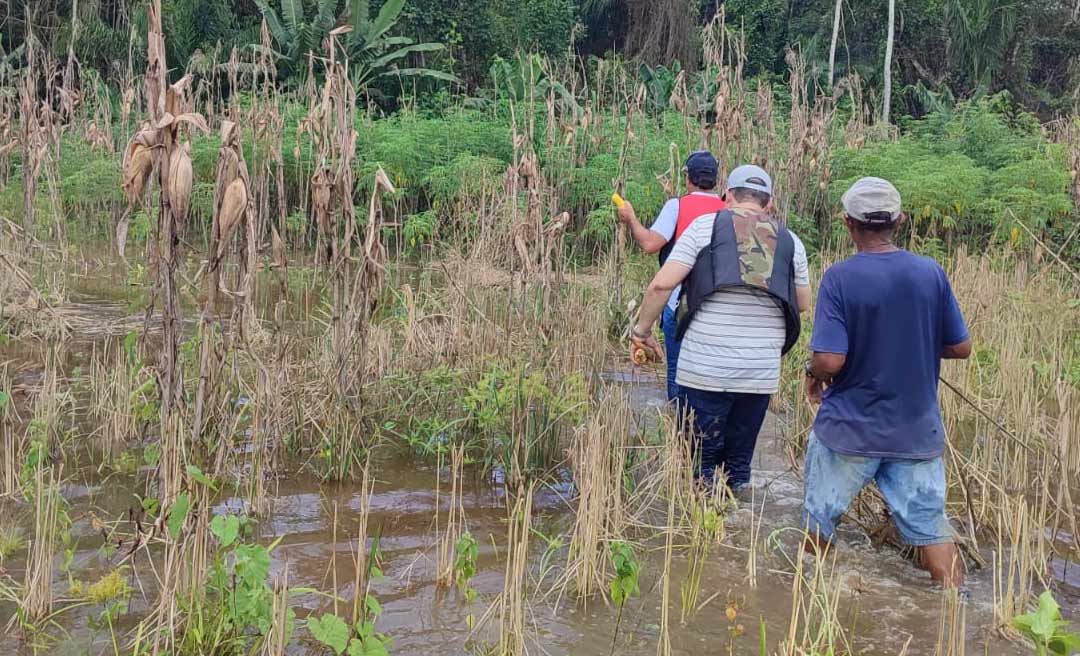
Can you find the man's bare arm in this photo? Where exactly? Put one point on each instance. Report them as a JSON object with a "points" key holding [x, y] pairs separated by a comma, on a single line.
{"points": [[961, 351], [667, 278], [648, 240], [802, 297], [825, 366]]}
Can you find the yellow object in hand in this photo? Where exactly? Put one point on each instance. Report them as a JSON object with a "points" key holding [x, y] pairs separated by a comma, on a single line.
{"points": [[618, 200]]}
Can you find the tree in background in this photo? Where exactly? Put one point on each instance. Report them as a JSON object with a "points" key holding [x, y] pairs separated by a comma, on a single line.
{"points": [[477, 32], [942, 50], [299, 28]]}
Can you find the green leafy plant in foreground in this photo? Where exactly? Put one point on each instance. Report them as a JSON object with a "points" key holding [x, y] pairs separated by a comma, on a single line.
{"points": [[360, 638], [627, 569], [1046, 628], [625, 583]]}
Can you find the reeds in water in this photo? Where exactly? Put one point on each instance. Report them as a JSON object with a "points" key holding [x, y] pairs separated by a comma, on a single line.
{"points": [[36, 600], [598, 462], [455, 519], [512, 601]]}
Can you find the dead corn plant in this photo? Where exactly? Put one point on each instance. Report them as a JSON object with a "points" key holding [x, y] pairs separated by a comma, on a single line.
{"points": [[33, 133], [806, 167], [763, 144], [356, 280], [158, 148], [9, 139]]}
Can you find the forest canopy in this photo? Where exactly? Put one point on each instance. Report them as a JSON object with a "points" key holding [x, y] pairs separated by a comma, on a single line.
{"points": [[944, 50]]}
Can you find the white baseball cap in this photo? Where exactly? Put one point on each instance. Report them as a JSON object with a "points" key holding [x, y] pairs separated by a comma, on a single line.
{"points": [[872, 200], [749, 176]]}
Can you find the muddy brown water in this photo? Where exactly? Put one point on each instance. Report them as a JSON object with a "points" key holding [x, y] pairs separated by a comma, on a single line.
{"points": [[885, 602]]}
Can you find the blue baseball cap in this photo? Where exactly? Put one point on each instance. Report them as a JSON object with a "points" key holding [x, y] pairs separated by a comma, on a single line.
{"points": [[749, 176], [702, 168]]}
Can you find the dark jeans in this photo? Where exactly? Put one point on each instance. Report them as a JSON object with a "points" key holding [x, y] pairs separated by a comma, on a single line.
{"points": [[726, 426], [671, 348]]}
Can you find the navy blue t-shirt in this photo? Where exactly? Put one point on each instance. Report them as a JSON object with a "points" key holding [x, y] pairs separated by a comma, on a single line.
{"points": [[891, 314]]}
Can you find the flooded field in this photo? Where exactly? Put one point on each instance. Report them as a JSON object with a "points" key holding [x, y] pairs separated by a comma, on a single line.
{"points": [[882, 602]]}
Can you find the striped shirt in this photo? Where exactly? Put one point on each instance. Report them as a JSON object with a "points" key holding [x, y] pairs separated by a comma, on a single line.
{"points": [[734, 341]]}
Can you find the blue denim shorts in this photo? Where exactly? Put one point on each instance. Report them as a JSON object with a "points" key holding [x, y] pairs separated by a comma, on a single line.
{"points": [[914, 489]]}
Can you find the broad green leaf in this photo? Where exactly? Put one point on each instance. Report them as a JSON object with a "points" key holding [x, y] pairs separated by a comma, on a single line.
{"points": [[5, 398], [292, 13], [1046, 618], [273, 22], [374, 608], [388, 16], [358, 17], [331, 631], [178, 512], [1065, 644], [404, 51], [225, 528], [197, 475], [424, 72], [252, 563]]}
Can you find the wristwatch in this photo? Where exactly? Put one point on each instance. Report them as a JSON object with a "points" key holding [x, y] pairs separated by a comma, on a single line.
{"points": [[637, 334], [808, 370]]}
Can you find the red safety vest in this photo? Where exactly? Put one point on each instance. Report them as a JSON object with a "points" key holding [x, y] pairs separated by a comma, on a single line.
{"points": [[691, 206]]}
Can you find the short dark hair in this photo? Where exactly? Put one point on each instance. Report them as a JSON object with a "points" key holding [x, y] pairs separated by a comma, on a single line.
{"points": [[743, 194], [702, 181], [877, 225]]}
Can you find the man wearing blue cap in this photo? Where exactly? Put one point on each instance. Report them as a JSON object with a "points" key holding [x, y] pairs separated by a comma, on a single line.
{"points": [[745, 279], [885, 319], [676, 216]]}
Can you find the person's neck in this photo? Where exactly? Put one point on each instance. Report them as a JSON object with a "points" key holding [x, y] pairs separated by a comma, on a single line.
{"points": [[746, 205], [876, 245], [691, 189]]}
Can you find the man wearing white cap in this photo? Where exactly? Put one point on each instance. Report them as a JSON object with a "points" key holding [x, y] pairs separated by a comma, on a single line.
{"points": [[885, 318], [745, 280]]}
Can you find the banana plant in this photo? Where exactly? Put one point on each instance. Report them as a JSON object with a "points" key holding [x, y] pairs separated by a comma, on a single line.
{"points": [[525, 77], [299, 29]]}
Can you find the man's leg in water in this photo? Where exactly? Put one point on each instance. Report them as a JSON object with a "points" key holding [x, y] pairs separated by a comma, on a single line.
{"points": [[915, 491], [830, 482], [944, 563], [671, 347]]}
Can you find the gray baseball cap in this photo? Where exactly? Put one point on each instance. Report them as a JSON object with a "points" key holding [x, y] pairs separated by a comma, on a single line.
{"points": [[749, 176], [872, 200]]}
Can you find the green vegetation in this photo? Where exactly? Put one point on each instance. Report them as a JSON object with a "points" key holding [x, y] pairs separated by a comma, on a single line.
{"points": [[260, 287], [1047, 630]]}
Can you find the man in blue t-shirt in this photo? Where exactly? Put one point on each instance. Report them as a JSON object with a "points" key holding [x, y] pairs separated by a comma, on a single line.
{"points": [[885, 318]]}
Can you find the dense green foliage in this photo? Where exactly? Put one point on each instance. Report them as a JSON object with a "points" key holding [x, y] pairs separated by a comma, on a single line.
{"points": [[944, 50], [972, 173], [967, 175]]}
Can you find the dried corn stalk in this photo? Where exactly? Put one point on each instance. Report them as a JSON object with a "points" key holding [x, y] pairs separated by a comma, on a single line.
{"points": [[232, 210], [156, 154]]}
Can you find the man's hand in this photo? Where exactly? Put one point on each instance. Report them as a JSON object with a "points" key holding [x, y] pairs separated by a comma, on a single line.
{"points": [[649, 345], [814, 389], [626, 213]]}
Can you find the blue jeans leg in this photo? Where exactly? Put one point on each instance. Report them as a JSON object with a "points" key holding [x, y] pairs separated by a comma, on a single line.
{"points": [[744, 422], [830, 482], [710, 423], [671, 346]]}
